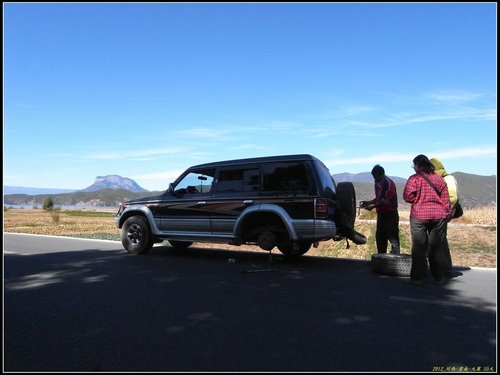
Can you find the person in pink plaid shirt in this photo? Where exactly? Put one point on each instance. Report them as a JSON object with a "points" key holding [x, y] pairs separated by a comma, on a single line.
{"points": [[427, 193]]}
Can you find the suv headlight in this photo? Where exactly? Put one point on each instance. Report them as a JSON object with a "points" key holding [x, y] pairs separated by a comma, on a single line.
{"points": [[121, 208]]}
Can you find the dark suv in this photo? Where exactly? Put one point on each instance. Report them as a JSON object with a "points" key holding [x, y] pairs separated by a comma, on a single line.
{"points": [[289, 202]]}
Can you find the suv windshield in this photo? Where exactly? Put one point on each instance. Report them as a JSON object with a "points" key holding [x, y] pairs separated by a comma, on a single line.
{"points": [[197, 182]]}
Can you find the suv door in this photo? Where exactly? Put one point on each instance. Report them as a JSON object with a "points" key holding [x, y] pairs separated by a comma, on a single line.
{"points": [[236, 188], [185, 211]]}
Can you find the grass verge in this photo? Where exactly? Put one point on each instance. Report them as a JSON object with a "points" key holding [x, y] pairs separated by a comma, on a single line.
{"points": [[472, 238]]}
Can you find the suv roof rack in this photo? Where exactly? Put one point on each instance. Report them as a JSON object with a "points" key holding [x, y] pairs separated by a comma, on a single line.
{"points": [[259, 160]]}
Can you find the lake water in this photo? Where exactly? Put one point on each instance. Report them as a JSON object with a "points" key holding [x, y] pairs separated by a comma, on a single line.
{"points": [[68, 207]]}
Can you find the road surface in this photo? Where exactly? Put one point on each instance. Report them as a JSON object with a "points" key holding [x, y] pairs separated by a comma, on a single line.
{"points": [[87, 305]]}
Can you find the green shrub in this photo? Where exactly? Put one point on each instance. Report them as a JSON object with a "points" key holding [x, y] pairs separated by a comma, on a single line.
{"points": [[48, 204]]}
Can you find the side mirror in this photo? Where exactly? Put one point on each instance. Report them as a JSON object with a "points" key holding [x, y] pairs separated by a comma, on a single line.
{"points": [[176, 193]]}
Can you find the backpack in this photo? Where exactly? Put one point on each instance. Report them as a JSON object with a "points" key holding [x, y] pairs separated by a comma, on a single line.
{"points": [[457, 211]]}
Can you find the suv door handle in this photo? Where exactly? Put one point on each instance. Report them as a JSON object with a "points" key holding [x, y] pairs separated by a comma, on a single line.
{"points": [[201, 203], [248, 201]]}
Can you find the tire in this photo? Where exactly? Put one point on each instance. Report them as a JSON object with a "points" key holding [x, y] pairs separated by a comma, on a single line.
{"points": [[180, 245], [392, 264], [346, 204], [136, 236]]}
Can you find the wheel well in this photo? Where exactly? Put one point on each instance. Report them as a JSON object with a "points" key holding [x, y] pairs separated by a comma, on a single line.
{"points": [[124, 218], [255, 223]]}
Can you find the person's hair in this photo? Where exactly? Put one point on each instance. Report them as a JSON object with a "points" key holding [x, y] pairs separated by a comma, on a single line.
{"points": [[378, 170], [423, 164]]}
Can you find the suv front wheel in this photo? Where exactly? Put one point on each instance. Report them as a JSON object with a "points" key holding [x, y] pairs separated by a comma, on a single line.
{"points": [[136, 236]]}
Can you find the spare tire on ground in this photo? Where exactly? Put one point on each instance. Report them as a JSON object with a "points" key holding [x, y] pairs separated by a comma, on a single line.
{"points": [[392, 264]]}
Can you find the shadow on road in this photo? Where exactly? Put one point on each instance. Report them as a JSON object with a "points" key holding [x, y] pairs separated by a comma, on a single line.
{"points": [[199, 310]]}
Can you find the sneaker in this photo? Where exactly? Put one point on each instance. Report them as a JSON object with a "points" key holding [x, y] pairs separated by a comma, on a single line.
{"points": [[395, 252], [416, 282]]}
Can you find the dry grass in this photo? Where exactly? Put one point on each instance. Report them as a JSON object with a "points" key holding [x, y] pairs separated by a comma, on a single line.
{"points": [[68, 223], [472, 237]]}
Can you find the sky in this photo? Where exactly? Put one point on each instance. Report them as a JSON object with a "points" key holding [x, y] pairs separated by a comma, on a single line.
{"points": [[146, 90]]}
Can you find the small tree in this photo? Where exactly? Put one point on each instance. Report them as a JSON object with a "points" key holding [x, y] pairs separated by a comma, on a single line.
{"points": [[48, 204]]}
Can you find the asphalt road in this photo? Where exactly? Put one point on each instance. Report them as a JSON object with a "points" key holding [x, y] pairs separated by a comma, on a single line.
{"points": [[86, 305]]}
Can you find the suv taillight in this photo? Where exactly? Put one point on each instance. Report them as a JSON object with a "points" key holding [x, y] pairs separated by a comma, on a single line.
{"points": [[321, 208]]}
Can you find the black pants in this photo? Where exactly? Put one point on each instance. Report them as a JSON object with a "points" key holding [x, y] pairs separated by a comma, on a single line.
{"points": [[387, 230], [428, 238]]}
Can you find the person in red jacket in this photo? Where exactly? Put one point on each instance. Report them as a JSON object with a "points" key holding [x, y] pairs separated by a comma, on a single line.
{"points": [[386, 204], [427, 193]]}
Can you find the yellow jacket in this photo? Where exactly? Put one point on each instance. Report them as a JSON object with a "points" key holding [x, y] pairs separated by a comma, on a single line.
{"points": [[448, 178]]}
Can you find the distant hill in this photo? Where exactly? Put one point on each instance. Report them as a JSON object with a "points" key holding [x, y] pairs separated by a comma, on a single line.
{"points": [[105, 197], [33, 191], [474, 190], [361, 177]]}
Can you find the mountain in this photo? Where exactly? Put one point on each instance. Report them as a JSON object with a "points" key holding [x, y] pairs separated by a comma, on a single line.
{"points": [[114, 182]]}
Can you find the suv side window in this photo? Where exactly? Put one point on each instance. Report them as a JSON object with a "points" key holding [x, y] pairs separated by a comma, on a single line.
{"points": [[196, 182], [288, 177], [241, 179]]}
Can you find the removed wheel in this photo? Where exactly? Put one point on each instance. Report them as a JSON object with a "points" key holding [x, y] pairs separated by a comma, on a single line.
{"points": [[392, 264]]}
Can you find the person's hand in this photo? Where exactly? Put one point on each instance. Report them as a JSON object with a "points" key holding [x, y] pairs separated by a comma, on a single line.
{"points": [[366, 205]]}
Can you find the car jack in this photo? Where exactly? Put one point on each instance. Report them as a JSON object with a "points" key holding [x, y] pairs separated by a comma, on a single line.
{"points": [[262, 267]]}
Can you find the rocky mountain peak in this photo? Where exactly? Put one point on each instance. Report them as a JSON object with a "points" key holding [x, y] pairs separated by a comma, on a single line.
{"points": [[114, 182]]}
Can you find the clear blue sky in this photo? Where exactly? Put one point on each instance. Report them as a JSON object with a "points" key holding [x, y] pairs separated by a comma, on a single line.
{"points": [[145, 90]]}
